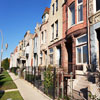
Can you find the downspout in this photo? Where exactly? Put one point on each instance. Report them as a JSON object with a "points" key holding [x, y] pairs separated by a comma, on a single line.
{"points": [[88, 30]]}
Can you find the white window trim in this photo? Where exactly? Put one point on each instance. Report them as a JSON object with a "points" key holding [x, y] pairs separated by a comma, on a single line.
{"points": [[77, 46], [78, 22], [78, 38], [81, 55]]}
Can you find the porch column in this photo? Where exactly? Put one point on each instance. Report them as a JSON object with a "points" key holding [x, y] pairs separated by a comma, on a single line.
{"points": [[73, 53], [64, 57]]}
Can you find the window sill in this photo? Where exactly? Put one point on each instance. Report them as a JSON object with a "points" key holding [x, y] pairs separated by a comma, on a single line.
{"points": [[80, 63], [71, 26], [76, 24], [80, 22], [54, 39]]}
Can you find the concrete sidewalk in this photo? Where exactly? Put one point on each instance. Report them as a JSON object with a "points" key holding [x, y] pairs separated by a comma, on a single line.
{"points": [[28, 91]]}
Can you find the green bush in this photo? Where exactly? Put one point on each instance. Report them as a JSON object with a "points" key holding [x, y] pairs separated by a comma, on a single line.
{"points": [[5, 64], [14, 70], [48, 80]]}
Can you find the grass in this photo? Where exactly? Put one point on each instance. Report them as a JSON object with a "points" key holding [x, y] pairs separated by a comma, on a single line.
{"points": [[15, 95], [6, 82]]}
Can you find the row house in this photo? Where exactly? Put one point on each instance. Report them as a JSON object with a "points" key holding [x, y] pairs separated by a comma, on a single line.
{"points": [[28, 48], [75, 33], [36, 46], [44, 38], [23, 54], [94, 29], [66, 38], [55, 33], [13, 58]]}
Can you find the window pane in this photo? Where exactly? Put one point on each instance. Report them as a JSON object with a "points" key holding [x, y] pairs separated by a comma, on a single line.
{"points": [[53, 9], [79, 55], [52, 31], [57, 28], [51, 59], [80, 13], [51, 50], [85, 54], [82, 39], [56, 5], [80, 1]]}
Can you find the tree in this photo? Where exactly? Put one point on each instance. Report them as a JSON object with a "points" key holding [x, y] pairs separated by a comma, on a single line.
{"points": [[5, 64]]}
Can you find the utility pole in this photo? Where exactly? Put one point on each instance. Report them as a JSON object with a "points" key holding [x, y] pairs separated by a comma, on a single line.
{"points": [[1, 50]]}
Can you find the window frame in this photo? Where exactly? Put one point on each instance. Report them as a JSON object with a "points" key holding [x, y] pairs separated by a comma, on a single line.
{"points": [[81, 45]]}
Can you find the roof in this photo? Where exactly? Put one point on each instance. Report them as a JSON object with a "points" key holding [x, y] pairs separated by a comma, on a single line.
{"points": [[46, 11]]}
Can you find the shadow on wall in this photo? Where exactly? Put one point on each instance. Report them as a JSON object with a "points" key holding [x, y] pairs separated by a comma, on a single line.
{"points": [[93, 65]]}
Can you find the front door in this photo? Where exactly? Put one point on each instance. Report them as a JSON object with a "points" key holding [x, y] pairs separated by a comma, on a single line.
{"points": [[98, 46]]}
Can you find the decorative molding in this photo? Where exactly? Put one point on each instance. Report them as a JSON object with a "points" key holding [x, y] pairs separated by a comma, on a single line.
{"points": [[95, 18]]}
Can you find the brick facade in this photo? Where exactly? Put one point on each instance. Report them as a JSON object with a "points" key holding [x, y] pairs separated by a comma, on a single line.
{"points": [[74, 31]]}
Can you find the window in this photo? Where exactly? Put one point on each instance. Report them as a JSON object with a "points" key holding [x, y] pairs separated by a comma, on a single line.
{"points": [[51, 56], [97, 5], [42, 37], [53, 9], [35, 42], [43, 18], [80, 10], [56, 28], [56, 5], [52, 26], [82, 50], [72, 14], [45, 36], [41, 58]]}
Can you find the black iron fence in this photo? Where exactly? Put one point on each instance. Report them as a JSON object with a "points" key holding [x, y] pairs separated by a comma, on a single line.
{"points": [[47, 80]]}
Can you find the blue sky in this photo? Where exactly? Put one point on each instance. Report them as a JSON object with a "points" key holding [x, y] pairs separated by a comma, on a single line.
{"points": [[18, 16]]}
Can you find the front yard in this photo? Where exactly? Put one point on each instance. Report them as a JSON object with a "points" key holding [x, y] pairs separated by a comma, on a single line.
{"points": [[15, 95], [6, 83]]}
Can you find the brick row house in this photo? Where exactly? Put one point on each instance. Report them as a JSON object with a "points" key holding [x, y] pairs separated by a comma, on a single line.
{"points": [[66, 39]]}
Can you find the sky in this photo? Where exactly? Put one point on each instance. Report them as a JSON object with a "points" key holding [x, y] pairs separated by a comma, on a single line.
{"points": [[16, 17]]}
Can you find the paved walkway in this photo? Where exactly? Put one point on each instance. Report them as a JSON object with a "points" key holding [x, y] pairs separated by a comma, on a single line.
{"points": [[27, 91]]}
